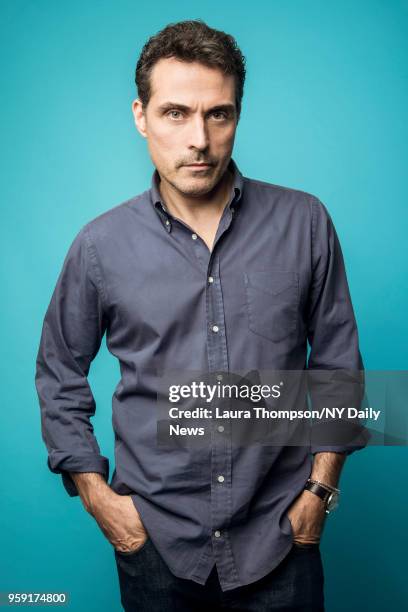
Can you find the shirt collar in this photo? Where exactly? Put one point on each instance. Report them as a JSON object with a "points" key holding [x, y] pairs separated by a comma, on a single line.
{"points": [[160, 207]]}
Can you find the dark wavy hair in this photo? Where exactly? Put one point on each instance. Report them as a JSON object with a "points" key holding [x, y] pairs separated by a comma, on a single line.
{"points": [[191, 41]]}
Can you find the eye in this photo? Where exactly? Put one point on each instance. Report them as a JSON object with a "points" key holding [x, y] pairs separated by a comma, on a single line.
{"points": [[219, 115], [174, 114]]}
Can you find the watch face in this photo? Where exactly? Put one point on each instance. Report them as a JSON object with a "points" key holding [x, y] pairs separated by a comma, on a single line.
{"points": [[333, 501]]}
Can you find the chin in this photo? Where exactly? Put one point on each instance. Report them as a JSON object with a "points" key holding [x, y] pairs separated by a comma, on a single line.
{"points": [[197, 187]]}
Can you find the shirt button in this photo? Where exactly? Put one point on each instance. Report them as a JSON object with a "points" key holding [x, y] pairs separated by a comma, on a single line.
{"points": [[217, 534], [167, 222], [220, 428], [210, 279], [194, 236], [215, 328], [220, 478], [232, 210]]}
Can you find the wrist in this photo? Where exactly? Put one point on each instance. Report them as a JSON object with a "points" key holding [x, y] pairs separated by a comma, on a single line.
{"points": [[324, 484], [313, 499], [92, 488], [328, 494]]}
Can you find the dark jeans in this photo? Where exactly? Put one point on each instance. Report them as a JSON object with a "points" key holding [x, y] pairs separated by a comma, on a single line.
{"points": [[146, 584]]}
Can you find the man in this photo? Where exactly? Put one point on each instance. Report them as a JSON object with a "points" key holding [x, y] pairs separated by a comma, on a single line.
{"points": [[206, 271]]}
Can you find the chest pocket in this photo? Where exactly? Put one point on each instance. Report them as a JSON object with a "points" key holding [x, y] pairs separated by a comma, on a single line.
{"points": [[272, 299]]}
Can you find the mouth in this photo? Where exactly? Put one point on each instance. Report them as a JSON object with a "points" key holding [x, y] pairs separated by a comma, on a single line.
{"points": [[198, 166]]}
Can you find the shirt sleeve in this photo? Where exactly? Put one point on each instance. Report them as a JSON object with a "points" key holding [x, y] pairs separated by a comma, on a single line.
{"points": [[332, 334], [72, 332]]}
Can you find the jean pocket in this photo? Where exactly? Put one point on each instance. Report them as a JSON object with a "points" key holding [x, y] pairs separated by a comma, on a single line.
{"points": [[272, 299]]}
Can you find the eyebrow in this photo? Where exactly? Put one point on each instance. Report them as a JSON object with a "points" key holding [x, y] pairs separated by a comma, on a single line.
{"points": [[170, 105]]}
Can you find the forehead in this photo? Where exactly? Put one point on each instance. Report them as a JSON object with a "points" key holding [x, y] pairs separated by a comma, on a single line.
{"points": [[173, 79]]}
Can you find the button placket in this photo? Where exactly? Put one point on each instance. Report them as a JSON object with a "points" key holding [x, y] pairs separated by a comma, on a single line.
{"points": [[200, 249], [221, 453]]}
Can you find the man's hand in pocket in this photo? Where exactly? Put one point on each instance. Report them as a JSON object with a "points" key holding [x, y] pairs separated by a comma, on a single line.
{"points": [[307, 515], [119, 520]]}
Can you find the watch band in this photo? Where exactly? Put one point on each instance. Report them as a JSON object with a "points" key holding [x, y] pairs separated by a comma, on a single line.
{"points": [[318, 489], [324, 485], [330, 495]]}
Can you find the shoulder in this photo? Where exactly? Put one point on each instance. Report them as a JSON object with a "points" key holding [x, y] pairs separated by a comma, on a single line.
{"points": [[271, 194], [294, 205], [116, 220]]}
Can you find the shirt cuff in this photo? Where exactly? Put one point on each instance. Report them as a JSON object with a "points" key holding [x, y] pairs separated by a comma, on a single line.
{"points": [[347, 450], [91, 463]]}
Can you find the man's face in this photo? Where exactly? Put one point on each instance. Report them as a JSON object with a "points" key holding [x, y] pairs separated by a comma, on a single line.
{"points": [[190, 118]]}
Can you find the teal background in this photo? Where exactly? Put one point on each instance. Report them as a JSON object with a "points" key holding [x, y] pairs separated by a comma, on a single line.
{"points": [[324, 111]]}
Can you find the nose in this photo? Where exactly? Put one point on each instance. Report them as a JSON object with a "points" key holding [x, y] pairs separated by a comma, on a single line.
{"points": [[198, 136]]}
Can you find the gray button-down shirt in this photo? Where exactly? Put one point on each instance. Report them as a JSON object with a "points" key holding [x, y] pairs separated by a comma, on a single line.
{"points": [[274, 281]]}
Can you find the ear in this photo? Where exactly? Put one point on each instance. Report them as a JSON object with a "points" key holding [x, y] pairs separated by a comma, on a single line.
{"points": [[139, 116]]}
